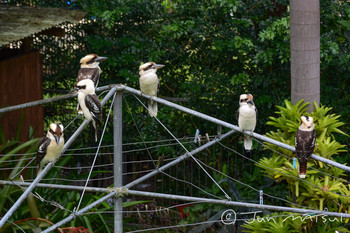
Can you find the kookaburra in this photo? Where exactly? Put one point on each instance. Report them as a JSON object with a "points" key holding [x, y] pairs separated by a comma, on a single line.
{"points": [[89, 69], [89, 102], [50, 146], [149, 84], [305, 139], [247, 116]]}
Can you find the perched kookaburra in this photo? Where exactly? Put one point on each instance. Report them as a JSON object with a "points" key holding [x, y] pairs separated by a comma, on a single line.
{"points": [[247, 116], [305, 139], [89, 69], [149, 84], [50, 146], [89, 102]]}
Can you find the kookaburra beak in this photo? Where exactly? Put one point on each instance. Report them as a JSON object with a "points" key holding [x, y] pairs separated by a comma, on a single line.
{"points": [[74, 91], [99, 59], [57, 138], [157, 66]]}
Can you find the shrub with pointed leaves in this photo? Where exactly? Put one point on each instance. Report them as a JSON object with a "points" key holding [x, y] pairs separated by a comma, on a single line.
{"points": [[325, 186]]}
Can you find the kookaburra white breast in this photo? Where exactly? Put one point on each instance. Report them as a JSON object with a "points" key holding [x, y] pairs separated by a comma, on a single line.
{"points": [[305, 139], [50, 146], [89, 102], [247, 116], [149, 84]]}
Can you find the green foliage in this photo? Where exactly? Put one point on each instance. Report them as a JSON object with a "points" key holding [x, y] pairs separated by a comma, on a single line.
{"points": [[322, 187], [213, 52]]}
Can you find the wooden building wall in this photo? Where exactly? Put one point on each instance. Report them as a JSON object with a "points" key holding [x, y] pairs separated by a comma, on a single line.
{"points": [[21, 82]]}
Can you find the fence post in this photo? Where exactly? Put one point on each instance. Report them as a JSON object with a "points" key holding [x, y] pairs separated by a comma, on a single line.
{"points": [[118, 160]]}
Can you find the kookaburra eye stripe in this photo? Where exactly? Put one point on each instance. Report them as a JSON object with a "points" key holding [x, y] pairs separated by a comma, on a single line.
{"points": [[81, 87], [51, 131], [147, 68], [91, 61]]}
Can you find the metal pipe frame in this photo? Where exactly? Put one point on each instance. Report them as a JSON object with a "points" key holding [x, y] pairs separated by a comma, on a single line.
{"points": [[45, 101], [49, 166], [121, 87], [118, 159], [234, 127], [141, 179], [181, 158], [184, 198]]}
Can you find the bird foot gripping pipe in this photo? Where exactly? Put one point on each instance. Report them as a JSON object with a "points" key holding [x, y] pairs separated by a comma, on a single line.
{"points": [[119, 192]]}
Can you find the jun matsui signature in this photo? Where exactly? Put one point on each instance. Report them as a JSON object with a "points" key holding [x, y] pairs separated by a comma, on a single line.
{"points": [[229, 217]]}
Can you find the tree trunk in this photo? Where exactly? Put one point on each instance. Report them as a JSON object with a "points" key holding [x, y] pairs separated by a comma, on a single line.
{"points": [[305, 51]]}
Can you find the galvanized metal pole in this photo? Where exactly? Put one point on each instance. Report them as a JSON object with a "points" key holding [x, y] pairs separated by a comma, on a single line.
{"points": [[178, 197], [141, 179], [235, 203], [118, 160], [234, 127], [45, 101], [79, 213], [39, 177]]}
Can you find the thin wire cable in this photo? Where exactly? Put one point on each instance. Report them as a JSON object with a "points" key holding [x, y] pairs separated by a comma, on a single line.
{"points": [[176, 226], [312, 168], [33, 158], [13, 177], [249, 186], [161, 209], [93, 163], [133, 150], [37, 196], [156, 166], [88, 167], [11, 168], [16, 160], [72, 180], [103, 92], [138, 172], [9, 155], [127, 144], [16, 225], [321, 188], [226, 195], [219, 221], [67, 126], [154, 147], [187, 182]]}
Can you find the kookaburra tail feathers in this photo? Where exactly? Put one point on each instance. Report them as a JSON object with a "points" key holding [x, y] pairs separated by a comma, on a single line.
{"points": [[89, 69], [305, 139], [50, 146], [149, 84], [89, 102], [247, 116]]}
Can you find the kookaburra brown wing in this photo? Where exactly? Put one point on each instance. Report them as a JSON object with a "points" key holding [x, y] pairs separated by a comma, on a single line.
{"points": [[149, 84], [89, 102], [247, 116], [305, 139], [90, 69], [50, 146]]}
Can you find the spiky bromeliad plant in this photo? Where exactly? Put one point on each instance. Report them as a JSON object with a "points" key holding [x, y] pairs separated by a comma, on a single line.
{"points": [[323, 188]]}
